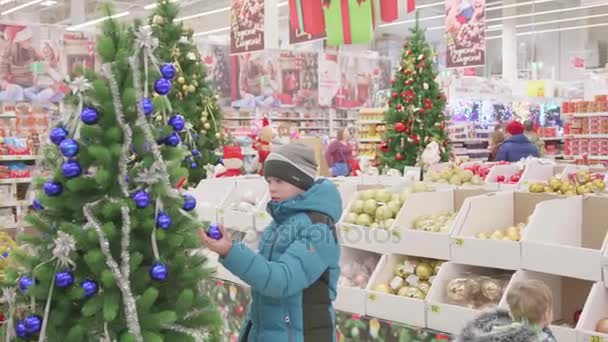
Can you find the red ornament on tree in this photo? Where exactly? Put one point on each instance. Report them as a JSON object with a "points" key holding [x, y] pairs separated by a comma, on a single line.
{"points": [[428, 104], [399, 156], [421, 110], [399, 107], [384, 147], [399, 127], [445, 143], [409, 82], [408, 53], [395, 94], [408, 96], [392, 81]]}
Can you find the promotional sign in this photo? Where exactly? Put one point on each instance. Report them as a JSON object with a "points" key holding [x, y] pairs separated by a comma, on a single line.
{"points": [[465, 24], [246, 26], [306, 21]]}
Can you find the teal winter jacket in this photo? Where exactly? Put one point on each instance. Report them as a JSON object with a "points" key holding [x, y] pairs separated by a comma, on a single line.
{"points": [[293, 277]]}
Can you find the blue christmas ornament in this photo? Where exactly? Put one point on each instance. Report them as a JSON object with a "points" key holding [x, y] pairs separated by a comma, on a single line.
{"points": [[162, 86], [173, 139], [64, 279], [196, 136], [196, 152], [189, 203], [37, 205], [177, 122], [90, 287], [147, 106], [214, 232], [71, 169], [58, 134], [21, 330], [193, 165], [5, 255], [159, 271], [69, 148], [127, 179], [89, 115], [168, 71], [32, 323], [52, 188], [25, 282], [142, 199], [163, 220]]}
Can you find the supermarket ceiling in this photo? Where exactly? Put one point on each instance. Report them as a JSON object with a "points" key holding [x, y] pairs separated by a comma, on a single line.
{"points": [[212, 16]]}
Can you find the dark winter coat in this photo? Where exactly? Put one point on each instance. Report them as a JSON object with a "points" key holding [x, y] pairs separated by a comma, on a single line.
{"points": [[294, 277], [516, 148], [498, 326]]}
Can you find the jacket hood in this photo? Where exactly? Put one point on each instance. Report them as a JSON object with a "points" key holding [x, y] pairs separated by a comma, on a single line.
{"points": [[518, 139], [498, 326], [322, 197]]}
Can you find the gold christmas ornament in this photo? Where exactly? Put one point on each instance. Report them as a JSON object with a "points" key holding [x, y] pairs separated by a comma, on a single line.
{"points": [[204, 119], [218, 135], [175, 53], [181, 80], [157, 20], [203, 132], [191, 88], [191, 56], [187, 31], [195, 83], [185, 88], [207, 125]]}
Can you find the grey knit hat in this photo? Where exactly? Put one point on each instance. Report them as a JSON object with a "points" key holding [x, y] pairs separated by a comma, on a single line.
{"points": [[294, 163]]}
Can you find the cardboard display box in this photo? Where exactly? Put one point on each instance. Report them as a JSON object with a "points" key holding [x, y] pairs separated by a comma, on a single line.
{"points": [[407, 241], [596, 308], [411, 311], [569, 296], [245, 220], [486, 214], [451, 318], [352, 299], [567, 236]]}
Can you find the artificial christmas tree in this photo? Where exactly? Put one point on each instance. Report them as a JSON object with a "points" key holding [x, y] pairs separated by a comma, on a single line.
{"points": [[191, 97], [415, 115], [115, 260]]}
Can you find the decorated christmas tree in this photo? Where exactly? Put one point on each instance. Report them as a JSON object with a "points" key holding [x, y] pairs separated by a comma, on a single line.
{"points": [[195, 106], [116, 256], [415, 115]]}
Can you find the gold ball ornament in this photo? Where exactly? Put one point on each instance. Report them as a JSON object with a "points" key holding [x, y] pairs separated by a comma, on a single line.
{"points": [[457, 290], [491, 289], [191, 56], [203, 132], [187, 31], [181, 80], [185, 88], [218, 135], [195, 83], [204, 119], [207, 125], [157, 20], [191, 88]]}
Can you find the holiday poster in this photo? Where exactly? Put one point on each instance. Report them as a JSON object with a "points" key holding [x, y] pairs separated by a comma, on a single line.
{"points": [[465, 23], [246, 26], [273, 78], [31, 65], [217, 62]]}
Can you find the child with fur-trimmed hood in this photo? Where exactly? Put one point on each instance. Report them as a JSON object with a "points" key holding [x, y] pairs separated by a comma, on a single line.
{"points": [[531, 311]]}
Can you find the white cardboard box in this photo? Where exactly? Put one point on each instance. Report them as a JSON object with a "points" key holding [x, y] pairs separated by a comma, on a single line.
{"points": [[240, 220], [209, 195], [485, 214], [596, 308], [392, 307], [569, 296], [408, 241], [450, 318], [352, 299], [567, 236]]}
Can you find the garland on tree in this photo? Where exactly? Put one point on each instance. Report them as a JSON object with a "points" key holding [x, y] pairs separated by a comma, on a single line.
{"points": [[415, 115], [194, 102]]}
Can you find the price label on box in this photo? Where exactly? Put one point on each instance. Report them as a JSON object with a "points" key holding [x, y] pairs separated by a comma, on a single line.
{"points": [[435, 309], [262, 215], [459, 242], [596, 339]]}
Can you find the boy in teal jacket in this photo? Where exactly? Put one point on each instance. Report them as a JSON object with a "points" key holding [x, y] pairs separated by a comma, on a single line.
{"points": [[293, 277]]}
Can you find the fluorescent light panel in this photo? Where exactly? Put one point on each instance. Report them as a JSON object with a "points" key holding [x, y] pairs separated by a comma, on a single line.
{"points": [[204, 33], [215, 11], [570, 28], [98, 20], [154, 5], [22, 6]]}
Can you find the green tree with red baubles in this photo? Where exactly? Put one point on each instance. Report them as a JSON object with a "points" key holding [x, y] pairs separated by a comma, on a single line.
{"points": [[415, 116]]}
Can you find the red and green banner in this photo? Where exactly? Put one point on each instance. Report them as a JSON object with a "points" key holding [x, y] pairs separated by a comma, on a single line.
{"points": [[306, 20], [349, 21]]}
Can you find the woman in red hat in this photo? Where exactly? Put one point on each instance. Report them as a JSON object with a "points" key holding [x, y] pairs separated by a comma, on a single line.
{"points": [[516, 146]]}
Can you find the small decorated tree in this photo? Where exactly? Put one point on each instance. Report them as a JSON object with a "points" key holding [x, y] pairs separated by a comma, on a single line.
{"points": [[194, 103], [415, 115]]}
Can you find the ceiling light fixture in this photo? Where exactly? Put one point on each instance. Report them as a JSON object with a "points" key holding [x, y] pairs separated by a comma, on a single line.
{"points": [[22, 6], [570, 28], [215, 11], [154, 5], [198, 34], [49, 3], [98, 20]]}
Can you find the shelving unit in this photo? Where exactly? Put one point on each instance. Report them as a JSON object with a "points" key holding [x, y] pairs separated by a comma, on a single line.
{"points": [[371, 128]]}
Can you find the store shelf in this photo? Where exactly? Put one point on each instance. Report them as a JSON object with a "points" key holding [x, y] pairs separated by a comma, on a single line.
{"points": [[315, 127], [469, 140], [374, 140], [15, 180], [591, 136], [552, 138], [588, 115], [16, 157], [8, 115], [13, 203], [370, 122], [588, 157]]}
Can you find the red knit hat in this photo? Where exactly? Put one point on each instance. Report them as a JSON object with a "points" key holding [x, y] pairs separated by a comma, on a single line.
{"points": [[233, 152], [515, 127]]}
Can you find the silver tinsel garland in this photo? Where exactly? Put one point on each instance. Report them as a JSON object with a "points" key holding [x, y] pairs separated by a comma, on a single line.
{"points": [[197, 335], [126, 130], [122, 280], [9, 296]]}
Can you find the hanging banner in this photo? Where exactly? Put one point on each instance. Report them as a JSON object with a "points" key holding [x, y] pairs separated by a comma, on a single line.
{"points": [[306, 20], [465, 24], [247, 26]]}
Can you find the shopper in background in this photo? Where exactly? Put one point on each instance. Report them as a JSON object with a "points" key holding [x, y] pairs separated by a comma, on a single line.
{"points": [[339, 153], [293, 278], [496, 139], [534, 138], [516, 146], [531, 311]]}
